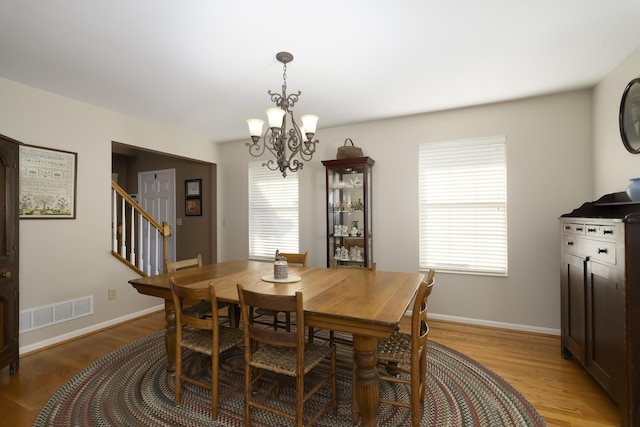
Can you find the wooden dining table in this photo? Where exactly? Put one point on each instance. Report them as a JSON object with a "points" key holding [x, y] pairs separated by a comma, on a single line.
{"points": [[367, 304]]}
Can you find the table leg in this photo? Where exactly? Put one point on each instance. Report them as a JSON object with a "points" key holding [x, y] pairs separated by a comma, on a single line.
{"points": [[234, 315], [170, 334], [367, 382]]}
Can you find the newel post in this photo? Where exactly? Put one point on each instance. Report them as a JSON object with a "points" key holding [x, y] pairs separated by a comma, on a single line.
{"points": [[166, 232]]}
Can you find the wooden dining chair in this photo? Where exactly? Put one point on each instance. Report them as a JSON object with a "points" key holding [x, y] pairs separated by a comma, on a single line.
{"points": [[282, 353], [404, 355], [185, 263], [292, 259], [205, 306], [202, 335]]}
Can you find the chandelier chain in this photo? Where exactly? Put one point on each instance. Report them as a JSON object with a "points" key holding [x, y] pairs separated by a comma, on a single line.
{"points": [[284, 74]]}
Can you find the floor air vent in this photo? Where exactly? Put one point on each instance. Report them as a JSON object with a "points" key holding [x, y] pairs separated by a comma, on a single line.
{"points": [[55, 313]]}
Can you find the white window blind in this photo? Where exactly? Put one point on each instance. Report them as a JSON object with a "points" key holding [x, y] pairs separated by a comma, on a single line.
{"points": [[273, 212], [463, 206]]}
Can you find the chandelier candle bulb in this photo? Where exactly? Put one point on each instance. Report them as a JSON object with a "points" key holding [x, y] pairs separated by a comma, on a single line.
{"points": [[309, 123], [255, 128], [275, 116]]}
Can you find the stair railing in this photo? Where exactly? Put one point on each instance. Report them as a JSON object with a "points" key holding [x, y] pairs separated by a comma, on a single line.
{"points": [[138, 240]]}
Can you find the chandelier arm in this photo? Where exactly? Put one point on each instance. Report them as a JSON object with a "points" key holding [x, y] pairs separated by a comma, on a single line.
{"points": [[307, 150], [295, 136], [297, 165], [276, 98], [291, 100], [271, 164], [255, 148]]}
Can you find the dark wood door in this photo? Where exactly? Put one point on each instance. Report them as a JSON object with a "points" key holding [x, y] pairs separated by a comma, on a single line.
{"points": [[573, 307], [605, 327], [9, 306]]}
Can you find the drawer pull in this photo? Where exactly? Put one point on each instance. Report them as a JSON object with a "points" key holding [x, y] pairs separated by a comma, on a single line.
{"points": [[591, 230], [579, 228], [570, 243], [607, 232], [602, 250]]}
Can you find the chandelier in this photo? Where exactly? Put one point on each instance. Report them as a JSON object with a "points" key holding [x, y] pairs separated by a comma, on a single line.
{"points": [[284, 143]]}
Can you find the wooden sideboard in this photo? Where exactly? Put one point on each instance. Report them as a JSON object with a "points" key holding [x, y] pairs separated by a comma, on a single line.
{"points": [[600, 296]]}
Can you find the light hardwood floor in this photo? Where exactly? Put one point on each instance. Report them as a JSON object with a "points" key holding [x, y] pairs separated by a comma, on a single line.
{"points": [[559, 389]]}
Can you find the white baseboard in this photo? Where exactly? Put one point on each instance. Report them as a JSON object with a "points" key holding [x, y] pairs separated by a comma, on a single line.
{"points": [[68, 336], [77, 333], [492, 324]]}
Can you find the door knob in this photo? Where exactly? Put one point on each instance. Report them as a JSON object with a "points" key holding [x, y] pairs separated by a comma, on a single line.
{"points": [[6, 275]]}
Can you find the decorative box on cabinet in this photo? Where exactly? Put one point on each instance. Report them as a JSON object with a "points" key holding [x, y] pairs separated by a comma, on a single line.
{"points": [[600, 296], [349, 234]]}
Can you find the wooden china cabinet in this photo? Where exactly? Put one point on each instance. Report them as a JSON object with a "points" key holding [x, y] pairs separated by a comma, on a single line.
{"points": [[349, 232], [9, 152], [600, 296]]}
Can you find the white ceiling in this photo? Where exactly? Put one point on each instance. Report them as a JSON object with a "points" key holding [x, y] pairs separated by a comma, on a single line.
{"points": [[206, 65]]}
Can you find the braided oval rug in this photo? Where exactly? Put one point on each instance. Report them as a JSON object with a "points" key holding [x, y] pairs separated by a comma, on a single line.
{"points": [[131, 387]]}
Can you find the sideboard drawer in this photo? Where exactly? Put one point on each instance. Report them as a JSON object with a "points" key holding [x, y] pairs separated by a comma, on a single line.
{"points": [[601, 231], [572, 243], [574, 228], [600, 250]]}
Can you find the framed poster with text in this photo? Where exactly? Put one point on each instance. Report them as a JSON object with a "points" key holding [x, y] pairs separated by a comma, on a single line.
{"points": [[47, 183]]}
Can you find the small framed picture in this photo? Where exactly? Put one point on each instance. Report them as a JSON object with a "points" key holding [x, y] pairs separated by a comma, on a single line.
{"points": [[193, 207], [193, 188], [629, 117]]}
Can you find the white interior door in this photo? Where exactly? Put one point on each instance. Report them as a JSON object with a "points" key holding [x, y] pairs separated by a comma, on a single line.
{"points": [[157, 195]]}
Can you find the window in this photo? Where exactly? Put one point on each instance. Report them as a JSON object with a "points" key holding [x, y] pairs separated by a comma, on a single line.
{"points": [[273, 212], [463, 206]]}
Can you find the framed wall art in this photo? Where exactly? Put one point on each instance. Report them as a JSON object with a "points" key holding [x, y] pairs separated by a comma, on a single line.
{"points": [[193, 188], [193, 207], [47, 183], [629, 117]]}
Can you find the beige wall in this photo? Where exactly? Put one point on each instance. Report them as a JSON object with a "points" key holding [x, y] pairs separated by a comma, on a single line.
{"points": [[549, 161], [66, 259], [613, 165]]}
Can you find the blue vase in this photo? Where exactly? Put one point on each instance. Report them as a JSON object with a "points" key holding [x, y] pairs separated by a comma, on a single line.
{"points": [[633, 190]]}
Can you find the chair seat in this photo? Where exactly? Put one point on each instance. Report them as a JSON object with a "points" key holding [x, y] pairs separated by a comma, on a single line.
{"points": [[202, 342], [283, 360], [397, 348]]}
